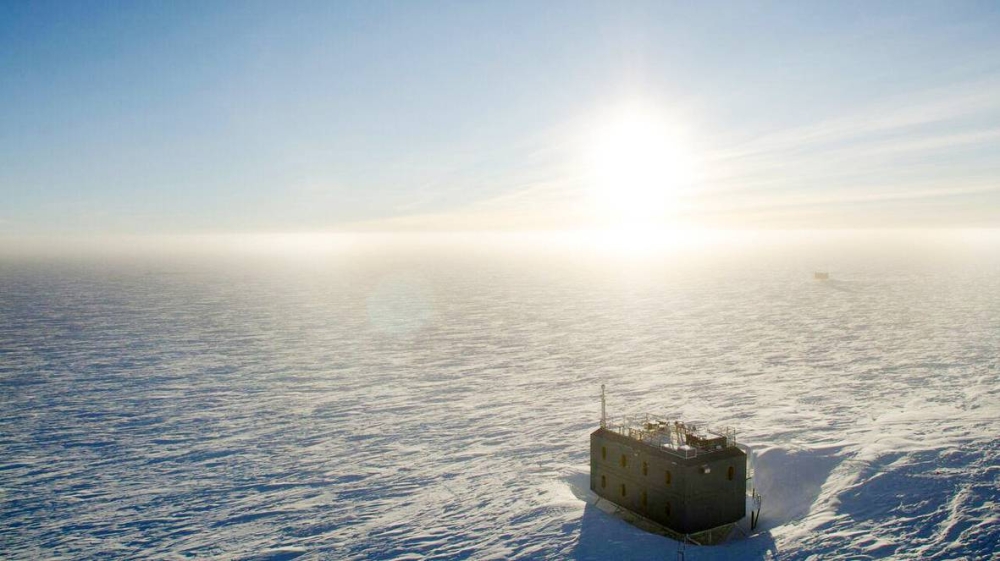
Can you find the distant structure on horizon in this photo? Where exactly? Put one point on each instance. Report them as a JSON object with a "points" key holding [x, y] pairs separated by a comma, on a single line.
{"points": [[821, 275], [689, 483]]}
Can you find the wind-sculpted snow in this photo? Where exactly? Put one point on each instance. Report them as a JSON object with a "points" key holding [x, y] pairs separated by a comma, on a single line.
{"points": [[438, 405]]}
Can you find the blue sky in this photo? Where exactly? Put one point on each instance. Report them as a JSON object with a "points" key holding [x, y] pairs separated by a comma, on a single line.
{"points": [[206, 117]]}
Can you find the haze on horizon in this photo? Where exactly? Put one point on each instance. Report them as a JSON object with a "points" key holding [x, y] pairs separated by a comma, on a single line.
{"points": [[183, 119]]}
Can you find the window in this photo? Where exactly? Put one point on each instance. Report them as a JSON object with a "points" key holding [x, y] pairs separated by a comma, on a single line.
{"points": [[604, 481], [732, 471], [604, 453], [643, 497], [668, 509], [645, 468], [668, 477], [623, 489], [624, 461]]}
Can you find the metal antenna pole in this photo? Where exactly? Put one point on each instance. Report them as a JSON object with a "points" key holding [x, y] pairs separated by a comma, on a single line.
{"points": [[604, 412]]}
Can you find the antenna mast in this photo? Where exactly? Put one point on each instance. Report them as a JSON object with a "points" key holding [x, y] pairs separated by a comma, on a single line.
{"points": [[604, 413]]}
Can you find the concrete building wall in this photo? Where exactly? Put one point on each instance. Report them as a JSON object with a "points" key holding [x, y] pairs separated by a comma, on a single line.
{"points": [[718, 496]]}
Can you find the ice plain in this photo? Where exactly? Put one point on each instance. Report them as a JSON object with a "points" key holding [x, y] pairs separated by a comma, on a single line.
{"points": [[435, 403]]}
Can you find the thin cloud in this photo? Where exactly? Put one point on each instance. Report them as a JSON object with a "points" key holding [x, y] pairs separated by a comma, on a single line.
{"points": [[921, 147], [889, 116]]}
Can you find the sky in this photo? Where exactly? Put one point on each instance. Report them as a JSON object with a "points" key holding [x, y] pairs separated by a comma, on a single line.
{"points": [[154, 118]]}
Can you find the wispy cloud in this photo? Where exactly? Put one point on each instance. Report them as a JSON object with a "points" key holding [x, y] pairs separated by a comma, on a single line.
{"points": [[933, 145], [880, 119]]}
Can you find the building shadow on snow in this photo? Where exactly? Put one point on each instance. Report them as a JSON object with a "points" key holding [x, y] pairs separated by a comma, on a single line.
{"points": [[604, 536], [790, 482]]}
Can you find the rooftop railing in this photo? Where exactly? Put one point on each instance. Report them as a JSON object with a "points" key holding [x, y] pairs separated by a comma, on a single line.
{"points": [[683, 439]]}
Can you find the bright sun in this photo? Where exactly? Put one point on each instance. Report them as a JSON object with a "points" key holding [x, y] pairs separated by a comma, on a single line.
{"points": [[637, 169]]}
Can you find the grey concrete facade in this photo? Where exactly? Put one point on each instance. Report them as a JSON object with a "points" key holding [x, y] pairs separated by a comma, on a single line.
{"points": [[685, 495]]}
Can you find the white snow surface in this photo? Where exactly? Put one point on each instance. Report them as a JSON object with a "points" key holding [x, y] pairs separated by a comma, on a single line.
{"points": [[436, 404]]}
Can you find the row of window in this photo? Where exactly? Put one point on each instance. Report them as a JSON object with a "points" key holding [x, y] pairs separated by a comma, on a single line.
{"points": [[731, 472], [645, 466], [642, 498]]}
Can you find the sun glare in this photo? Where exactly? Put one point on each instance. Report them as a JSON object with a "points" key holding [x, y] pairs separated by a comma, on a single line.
{"points": [[638, 168]]}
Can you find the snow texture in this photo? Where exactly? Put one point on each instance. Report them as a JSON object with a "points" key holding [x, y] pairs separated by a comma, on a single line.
{"points": [[437, 405]]}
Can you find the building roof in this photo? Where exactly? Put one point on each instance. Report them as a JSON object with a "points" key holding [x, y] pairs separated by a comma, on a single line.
{"points": [[681, 441]]}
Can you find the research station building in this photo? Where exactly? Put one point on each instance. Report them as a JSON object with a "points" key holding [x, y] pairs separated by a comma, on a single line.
{"points": [[689, 481]]}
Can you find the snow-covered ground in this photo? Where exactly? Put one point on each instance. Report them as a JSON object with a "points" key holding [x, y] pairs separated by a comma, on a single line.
{"points": [[436, 404]]}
